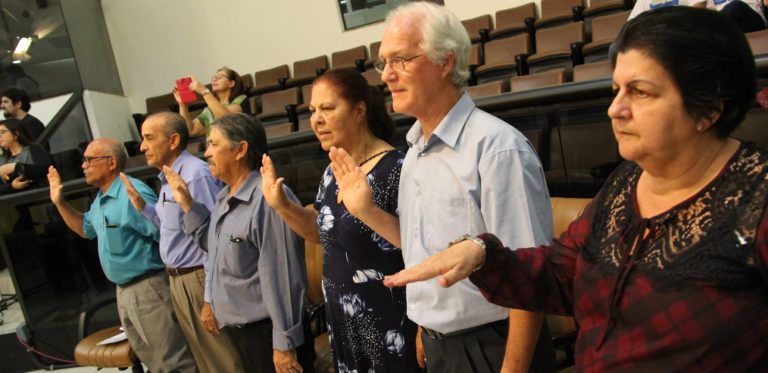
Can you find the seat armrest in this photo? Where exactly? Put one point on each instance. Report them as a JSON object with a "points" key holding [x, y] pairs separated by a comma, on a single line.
{"points": [[577, 56], [578, 13], [521, 64]]}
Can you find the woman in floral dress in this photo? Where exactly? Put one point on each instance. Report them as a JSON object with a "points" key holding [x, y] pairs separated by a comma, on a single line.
{"points": [[368, 328]]}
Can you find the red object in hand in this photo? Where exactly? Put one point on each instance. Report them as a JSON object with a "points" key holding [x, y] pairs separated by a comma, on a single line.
{"points": [[182, 86]]}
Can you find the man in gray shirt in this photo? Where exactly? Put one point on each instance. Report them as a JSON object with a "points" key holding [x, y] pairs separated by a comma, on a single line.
{"points": [[256, 272]]}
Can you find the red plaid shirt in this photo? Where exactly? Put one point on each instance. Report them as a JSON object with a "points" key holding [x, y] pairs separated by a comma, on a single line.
{"points": [[691, 296]]}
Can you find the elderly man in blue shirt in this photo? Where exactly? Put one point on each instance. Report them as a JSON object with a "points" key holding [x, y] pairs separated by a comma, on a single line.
{"points": [[127, 245], [466, 172], [256, 272], [164, 140]]}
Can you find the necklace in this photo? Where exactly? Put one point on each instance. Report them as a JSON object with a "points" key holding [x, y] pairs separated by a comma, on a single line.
{"points": [[374, 156]]}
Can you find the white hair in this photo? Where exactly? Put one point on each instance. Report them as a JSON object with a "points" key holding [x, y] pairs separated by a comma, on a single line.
{"points": [[441, 34]]}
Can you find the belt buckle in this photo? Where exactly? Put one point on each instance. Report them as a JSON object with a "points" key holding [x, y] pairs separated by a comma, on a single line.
{"points": [[174, 271]]}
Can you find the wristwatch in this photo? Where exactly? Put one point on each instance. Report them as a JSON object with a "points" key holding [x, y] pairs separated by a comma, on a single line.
{"points": [[205, 92], [474, 239]]}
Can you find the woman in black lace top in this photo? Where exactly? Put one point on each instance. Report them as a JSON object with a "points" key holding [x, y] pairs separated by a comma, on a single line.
{"points": [[666, 270]]}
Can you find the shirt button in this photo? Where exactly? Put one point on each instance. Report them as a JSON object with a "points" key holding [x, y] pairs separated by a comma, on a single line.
{"points": [[413, 307]]}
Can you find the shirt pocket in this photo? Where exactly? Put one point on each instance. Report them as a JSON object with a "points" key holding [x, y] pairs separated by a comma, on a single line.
{"points": [[448, 218], [240, 258], [171, 216]]}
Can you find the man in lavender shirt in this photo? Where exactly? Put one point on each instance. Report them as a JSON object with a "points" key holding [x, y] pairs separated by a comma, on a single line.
{"points": [[164, 139]]}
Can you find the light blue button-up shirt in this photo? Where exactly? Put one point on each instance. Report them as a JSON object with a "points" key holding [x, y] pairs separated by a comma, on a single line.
{"points": [[127, 241], [475, 174], [177, 249], [256, 267]]}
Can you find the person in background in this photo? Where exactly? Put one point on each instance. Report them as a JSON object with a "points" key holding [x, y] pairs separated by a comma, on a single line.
{"points": [[256, 275], [646, 5], [129, 256], [15, 104], [748, 14], [164, 139], [348, 113], [667, 269], [226, 95], [465, 172], [23, 164]]}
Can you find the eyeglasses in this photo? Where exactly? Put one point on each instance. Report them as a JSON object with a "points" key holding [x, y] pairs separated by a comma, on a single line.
{"points": [[217, 77], [88, 160], [396, 63]]}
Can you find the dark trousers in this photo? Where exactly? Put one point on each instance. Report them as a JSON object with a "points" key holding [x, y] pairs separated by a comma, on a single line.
{"points": [[482, 350], [744, 15], [254, 344]]}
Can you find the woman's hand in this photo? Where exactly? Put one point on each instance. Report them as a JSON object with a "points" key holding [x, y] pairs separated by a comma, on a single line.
{"points": [[271, 185], [195, 85], [7, 169], [354, 189], [208, 319], [452, 265], [179, 188], [177, 96], [286, 362], [20, 183]]}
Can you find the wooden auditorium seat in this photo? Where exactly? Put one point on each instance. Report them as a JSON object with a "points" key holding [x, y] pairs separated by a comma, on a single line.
{"points": [[269, 80], [512, 21], [305, 71], [352, 58], [478, 28]]}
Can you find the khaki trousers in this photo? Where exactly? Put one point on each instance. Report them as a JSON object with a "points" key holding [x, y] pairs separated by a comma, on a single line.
{"points": [[213, 353]]}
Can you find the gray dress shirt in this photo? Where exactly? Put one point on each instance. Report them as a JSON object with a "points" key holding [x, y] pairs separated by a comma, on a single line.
{"points": [[256, 267], [475, 174]]}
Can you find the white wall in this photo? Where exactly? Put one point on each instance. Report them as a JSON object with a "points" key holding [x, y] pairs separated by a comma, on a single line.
{"points": [[155, 42]]}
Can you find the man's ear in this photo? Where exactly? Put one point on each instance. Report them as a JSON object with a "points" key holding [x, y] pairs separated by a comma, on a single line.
{"points": [[175, 141], [242, 150], [450, 61]]}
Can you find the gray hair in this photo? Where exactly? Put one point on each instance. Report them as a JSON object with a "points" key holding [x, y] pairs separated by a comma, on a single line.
{"points": [[442, 33], [239, 127], [116, 150], [173, 123]]}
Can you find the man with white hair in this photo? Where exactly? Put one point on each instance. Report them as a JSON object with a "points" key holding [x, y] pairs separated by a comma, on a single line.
{"points": [[466, 172]]}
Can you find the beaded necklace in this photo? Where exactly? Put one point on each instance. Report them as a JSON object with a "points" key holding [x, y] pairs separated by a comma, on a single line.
{"points": [[374, 156]]}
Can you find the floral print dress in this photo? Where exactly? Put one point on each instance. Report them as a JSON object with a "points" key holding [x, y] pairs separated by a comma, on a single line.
{"points": [[368, 328]]}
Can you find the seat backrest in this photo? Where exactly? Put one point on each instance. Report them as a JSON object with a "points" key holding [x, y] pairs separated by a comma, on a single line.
{"points": [[474, 55], [505, 50], [247, 80], [308, 68], [607, 27], [566, 210], [554, 7], [269, 77], [374, 48], [132, 147], [347, 57], [474, 25], [488, 89], [537, 80], [68, 163], [274, 102], [758, 41], [559, 38], [160, 103], [373, 77], [515, 16], [592, 71]]}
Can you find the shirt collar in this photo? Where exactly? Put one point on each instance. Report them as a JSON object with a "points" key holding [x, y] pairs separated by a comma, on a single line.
{"points": [[450, 127], [114, 189], [247, 190], [176, 166]]}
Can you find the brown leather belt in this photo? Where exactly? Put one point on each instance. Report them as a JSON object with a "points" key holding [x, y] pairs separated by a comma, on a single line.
{"points": [[181, 271]]}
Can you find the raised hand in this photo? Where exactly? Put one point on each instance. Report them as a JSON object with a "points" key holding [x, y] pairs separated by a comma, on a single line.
{"points": [[179, 188], [54, 181], [195, 85], [177, 96], [136, 200], [271, 185], [354, 189], [452, 264]]}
